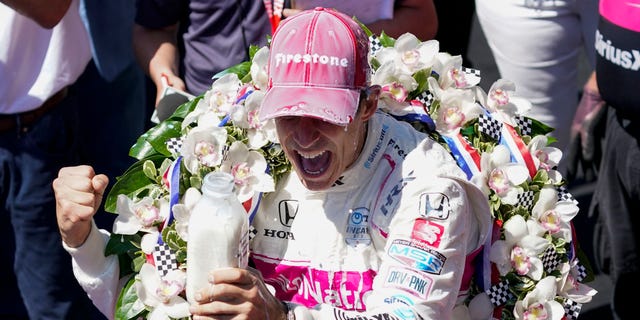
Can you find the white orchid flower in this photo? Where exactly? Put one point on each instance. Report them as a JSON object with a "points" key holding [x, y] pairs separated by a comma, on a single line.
{"points": [[258, 68], [248, 168], [259, 133], [149, 241], [554, 216], [449, 69], [546, 157], [570, 287], [540, 303], [456, 108], [499, 174], [480, 307], [216, 103], [162, 293], [182, 212], [223, 94], [502, 102], [409, 53], [142, 215], [395, 88], [203, 147], [519, 250]]}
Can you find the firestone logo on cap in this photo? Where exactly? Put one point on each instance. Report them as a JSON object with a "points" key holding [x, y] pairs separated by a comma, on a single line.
{"points": [[287, 58]]}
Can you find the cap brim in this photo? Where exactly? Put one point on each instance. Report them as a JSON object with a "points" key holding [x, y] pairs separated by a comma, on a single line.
{"points": [[335, 105]]}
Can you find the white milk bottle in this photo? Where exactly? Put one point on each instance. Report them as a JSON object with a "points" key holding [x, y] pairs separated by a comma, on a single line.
{"points": [[218, 232]]}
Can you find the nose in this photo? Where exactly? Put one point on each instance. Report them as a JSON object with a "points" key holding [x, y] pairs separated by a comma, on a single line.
{"points": [[306, 131]]}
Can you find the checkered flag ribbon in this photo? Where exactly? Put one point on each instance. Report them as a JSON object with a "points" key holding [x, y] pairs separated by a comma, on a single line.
{"points": [[564, 195], [580, 271], [525, 199], [470, 71], [572, 309], [550, 259], [252, 232], [489, 126], [426, 98], [499, 293], [174, 145], [165, 259], [374, 44], [525, 124]]}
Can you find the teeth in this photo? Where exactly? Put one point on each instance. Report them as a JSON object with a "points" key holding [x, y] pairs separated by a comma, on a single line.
{"points": [[311, 155]]}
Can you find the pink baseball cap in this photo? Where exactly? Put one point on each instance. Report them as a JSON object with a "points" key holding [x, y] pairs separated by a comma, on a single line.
{"points": [[318, 65]]}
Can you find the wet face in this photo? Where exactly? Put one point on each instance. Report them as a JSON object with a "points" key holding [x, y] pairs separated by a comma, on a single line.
{"points": [[321, 151]]}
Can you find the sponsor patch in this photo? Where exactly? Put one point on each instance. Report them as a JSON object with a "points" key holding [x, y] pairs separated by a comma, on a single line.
{"points": [[417, 256], [388, 203], [415, 283], [427, 231], [287, 211], [404, 311], [435, 205], [357, 232]]}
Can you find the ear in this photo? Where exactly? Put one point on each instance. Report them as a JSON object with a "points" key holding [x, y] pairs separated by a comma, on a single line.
{"points": [[370, 103]]}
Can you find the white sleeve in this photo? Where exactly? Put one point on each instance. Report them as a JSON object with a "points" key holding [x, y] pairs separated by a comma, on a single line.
{"points": [[97, 275]]}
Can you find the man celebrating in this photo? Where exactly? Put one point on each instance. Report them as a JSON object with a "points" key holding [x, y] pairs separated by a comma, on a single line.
{"points": [[378, 220]]}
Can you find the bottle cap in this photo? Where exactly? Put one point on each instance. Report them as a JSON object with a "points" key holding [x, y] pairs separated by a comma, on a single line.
{"points": [[218, 182]]}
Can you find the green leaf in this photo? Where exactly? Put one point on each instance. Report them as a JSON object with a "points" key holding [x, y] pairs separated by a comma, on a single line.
{"points": [[157, 138], [133, 180], [241, 69], [421, 78], [119, 244], [386, 41], [171, 237], [184, 109], [138, 261], [149, 169], [539, 128], [154, 140], [126, 306]]}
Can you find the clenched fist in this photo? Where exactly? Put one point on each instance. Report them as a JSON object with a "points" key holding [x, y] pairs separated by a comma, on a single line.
{"points": [[78, 192]]}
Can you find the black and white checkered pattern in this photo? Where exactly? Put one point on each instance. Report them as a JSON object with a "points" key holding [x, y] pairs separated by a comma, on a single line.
{"points": [[580, 270], [426, 98], [470, 71], [374, 44], [550, 259], [572, 309], [499, 293], [489, 126], [525, 199], [525, 124], [165, 259], [252, 232], [564, 195], [174, 145]]}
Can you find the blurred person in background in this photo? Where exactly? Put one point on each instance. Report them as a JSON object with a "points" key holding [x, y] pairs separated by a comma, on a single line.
{"points": [[188, 42], [537, 44], [616, 200], [415, 16], [45, 48]]}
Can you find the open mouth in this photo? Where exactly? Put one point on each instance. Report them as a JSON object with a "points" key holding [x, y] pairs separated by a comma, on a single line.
{"points": [[314, 163]]}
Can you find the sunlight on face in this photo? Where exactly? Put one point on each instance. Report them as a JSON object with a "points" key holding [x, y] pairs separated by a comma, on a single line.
{"points": [[321, 151]]}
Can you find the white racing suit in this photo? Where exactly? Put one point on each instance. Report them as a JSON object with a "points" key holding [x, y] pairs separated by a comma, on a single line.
{"points": [[393, 238]]}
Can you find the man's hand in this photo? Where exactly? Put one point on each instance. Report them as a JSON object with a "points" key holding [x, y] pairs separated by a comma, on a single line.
{"points": [[587, 129], [78, 192], [234, 291]]}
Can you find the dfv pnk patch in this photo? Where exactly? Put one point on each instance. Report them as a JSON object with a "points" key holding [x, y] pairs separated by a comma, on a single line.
{"points": [[416, 283], [357, 232]]}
